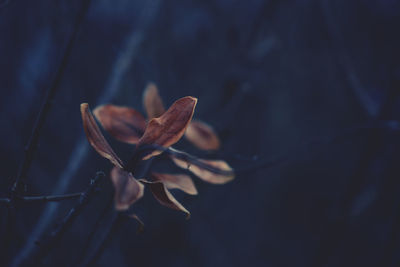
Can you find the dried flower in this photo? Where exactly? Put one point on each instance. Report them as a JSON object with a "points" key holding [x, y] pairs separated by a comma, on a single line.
{"points": [[163, 129]]}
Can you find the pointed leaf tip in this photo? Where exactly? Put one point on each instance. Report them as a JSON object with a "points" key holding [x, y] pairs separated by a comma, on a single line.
{"points": [[169, 128], [96, 138], [176, 181], [164, 197]]}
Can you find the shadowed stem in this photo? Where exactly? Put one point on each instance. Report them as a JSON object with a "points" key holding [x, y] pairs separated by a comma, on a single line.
{"points": [[191, 160], [336, 230], [120, 217], [30, 148], [265, 162], [115, 225], [36, 199], [56, 235], [95, 228]]}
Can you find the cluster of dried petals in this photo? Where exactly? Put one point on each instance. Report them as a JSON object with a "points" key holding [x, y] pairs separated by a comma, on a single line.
{"points": [[163, 129]]}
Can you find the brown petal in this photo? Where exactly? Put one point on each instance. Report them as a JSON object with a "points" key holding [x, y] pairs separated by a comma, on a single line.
{"points": [[176, 181], [169, 128], [123, 123], [202, 135], [96, 138], [127, 189], [161, 193], [152, 102], [206, 174]]}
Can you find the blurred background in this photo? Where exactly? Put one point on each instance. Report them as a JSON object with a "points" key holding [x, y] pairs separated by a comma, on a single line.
{"points": [[303, 94]]}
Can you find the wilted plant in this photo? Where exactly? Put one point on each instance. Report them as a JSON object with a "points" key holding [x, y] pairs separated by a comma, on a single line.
{"points": [[152, 138]]}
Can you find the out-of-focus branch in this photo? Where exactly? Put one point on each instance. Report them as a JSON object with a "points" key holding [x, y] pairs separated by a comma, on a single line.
{"points": [[95, 228], [115, 225], [35, 199], [32, 144], [46, 246], [55, 198]]}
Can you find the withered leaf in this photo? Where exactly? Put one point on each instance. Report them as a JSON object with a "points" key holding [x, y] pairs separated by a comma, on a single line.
{"points": [[205, 174], [169, 128], [161, 193], [96, 138], [202, 135], [123, 123], [127, 189], [176, 181], [152, 101]]}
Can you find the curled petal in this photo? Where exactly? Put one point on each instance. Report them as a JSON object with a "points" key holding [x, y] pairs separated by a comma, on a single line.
{"points": [[176, 181], [123, 123], [211, 171], [169, 128], [127, 189], [152, 101], [161, 193], [202, 135], [96, 138]]}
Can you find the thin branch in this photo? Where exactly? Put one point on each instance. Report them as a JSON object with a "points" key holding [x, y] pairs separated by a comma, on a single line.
{"points": [[68, 220], [337, 229], [195, 161], [265, 162], [36, 199], [54, 198], [32, 144], [95, 228], [115, 225], [140, 171], [147, 149]]}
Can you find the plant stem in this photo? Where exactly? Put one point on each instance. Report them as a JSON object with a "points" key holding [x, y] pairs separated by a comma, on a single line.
{"points": [[35, 199], [68, 220], [336, 230], [194, 161], [54, 198], [30, 148], [140, 171], [92, 234], [115, 225]]}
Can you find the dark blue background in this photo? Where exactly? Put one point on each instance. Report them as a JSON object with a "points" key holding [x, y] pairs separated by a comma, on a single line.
{"points": [[295, 89]]}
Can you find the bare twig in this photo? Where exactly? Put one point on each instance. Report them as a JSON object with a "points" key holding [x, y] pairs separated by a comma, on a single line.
{"points": [[265, 162], [336, 230], [35, 199], [54, 198], [115, 225], [121, 66], [95, 228], [119, 217], [55, 236], [31, 146]]}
